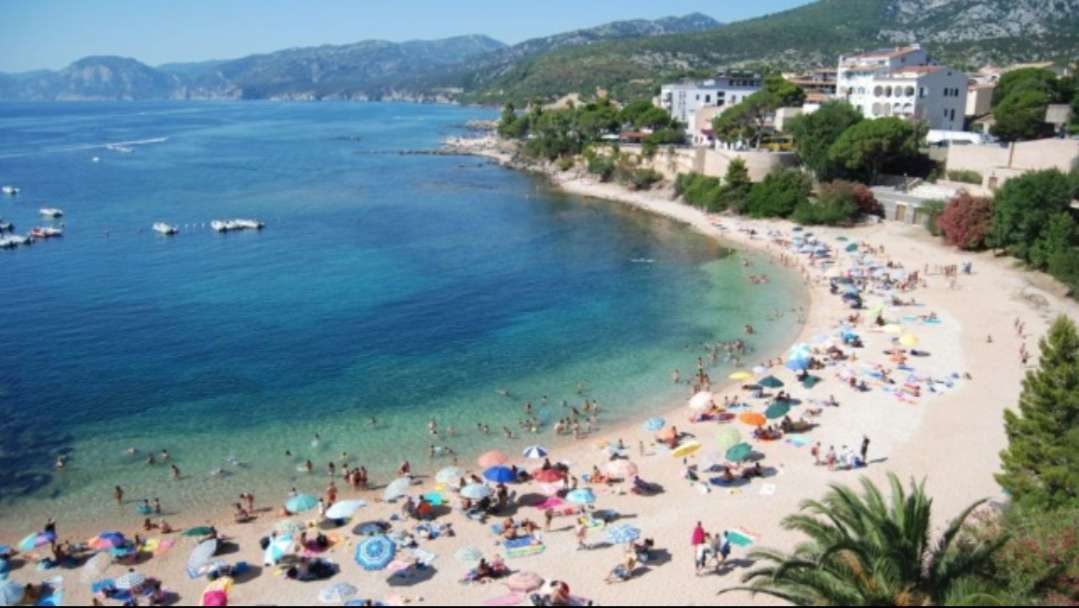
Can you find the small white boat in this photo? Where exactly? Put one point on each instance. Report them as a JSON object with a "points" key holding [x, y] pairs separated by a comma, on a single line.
{"points": [[237, 224], [46, 232], [51, 212], [249, 224], [166, 229], [6, 226], [10, 190]]}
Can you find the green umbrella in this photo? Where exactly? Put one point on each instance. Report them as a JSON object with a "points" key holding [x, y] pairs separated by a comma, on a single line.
{"points": [[727, 437], [852, 247], [771, 382], [739, 452], [199, 531], [301, 503], [841, 238], [778, 409]]}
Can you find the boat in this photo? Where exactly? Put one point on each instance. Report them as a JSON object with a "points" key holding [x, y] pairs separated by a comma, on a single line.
{"points": [[6, 226], [166, 229], [51, 212], [46, 232], [14, 240], [10, 190], [236, 224]]}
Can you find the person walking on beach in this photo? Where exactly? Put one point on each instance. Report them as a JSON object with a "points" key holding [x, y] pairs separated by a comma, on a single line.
{"points": [[701, 551], [865, 450], [118, 494], [581, 531]]}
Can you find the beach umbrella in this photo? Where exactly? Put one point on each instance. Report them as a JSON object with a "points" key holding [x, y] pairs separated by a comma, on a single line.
{"points": [[535, 452], [701, 401], [130, 581], [450, 475], [217, 592], [752, 418], [622, 534], [548, 475], [621, 469], [434, 498], [107, 540], [908, 340], [288, 527], [551, 488], [95, 567], [778, 409], [727, 437], [337, 594], [201, 557], [11, 593], [685, 449], [892, 329], [771, 382], [654, 424], [344, 509], [468, 555], [759, 369], [396, 489], [851, 248], [278, 548], [375, 553], [370, 528], [739, 452], [524, 582], [581, 496], [493, 458], [475, 491], [35, 540], [197, 531], [797, 364], [741, 375], [301, 503], [499, 475]]}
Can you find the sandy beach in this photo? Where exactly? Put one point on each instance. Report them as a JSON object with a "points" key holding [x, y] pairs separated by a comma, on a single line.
{"points": [[950, 435]]}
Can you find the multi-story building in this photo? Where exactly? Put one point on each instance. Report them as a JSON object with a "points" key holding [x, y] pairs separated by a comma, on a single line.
{"points": [[683, 99], [819, 85], [904, 82]]}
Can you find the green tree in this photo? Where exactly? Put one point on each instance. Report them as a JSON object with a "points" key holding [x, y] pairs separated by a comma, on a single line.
{"points": [[1026, 79], [736, 185], [779, 194], [653, 118], [631, 111], [815, 133], [1040, 466], [1021, 116], [871, 551], [1023, 208], [867, 147], [748, 120]]}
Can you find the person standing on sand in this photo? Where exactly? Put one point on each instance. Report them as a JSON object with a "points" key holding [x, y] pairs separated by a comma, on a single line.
{"points": [[118, 494], [865, 450]]}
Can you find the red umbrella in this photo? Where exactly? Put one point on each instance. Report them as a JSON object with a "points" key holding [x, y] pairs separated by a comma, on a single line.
{"points": [[548, 475], [493, 458]]}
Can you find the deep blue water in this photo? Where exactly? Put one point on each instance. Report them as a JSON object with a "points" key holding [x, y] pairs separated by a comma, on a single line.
{"points": [[403, 287]]}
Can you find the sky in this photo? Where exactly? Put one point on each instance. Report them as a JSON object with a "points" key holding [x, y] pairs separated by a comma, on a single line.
{"points": [[49, 34]]}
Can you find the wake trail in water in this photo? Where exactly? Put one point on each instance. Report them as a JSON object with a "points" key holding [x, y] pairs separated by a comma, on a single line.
{"points": [[120, 146]]}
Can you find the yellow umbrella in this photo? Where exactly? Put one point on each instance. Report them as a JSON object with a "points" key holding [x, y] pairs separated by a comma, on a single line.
{"points": [[753, 418], [893, 329], [686, 449], [909, 340], [741, 376]]}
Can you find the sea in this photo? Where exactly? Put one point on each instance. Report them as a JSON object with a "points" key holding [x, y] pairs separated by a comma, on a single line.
{"points": [[390, 287]]}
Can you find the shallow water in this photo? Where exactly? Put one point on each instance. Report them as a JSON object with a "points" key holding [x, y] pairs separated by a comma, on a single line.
{"points": [[400, 287]]}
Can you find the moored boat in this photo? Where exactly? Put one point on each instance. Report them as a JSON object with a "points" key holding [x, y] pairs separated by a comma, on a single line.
{"points": [[46, 232], [6, 226], [51, 212], [166, 229], [10, 190]]}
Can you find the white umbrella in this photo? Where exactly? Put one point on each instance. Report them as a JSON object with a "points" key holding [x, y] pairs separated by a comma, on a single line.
{"points": [[130, 581], [535, 452], [397, 488], [475, 491], [344, 509], [450, 475], [95, 567], [468, 555], [277, 549], [337, 594], [701, 401], [200, 557]]}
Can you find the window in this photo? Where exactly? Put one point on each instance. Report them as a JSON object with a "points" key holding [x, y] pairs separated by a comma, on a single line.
{"points": [[909, 92], [876, 109], [878, 91], [922, 91]]}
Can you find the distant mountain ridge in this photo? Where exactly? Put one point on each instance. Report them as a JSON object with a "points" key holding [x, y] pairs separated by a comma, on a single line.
{"points": [[628, 58]]}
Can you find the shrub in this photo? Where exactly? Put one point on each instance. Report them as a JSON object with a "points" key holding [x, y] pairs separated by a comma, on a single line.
{"points": [[837, 204], [601, 166], [966, 221], [934, 209], [966, 176], [565, 163], [644, 178], [779, 194]]}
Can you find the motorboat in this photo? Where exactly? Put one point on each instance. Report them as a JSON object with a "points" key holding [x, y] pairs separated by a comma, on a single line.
{"points": [[10, 190], [236, 225], [51, 212], [14, 240], [46, 232], [6, 226], [166, 229]]}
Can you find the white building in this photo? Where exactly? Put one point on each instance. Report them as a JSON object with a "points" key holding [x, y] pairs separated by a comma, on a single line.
{"points": [[904, 82], [682, 100]]}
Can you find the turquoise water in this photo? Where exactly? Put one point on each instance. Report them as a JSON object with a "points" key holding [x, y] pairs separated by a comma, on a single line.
{"points": [[400, 287]]}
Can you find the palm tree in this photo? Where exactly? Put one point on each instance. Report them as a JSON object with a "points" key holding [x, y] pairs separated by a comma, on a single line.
{"points": [[864, 550]]}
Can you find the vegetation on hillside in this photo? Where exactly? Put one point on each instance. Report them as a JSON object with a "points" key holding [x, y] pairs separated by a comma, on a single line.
{"points": [[1021, 98]]}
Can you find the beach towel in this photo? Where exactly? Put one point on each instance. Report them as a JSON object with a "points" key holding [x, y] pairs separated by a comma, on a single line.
{"points": [[797, 441], [523, 541], [525, 551], [506, 600]]}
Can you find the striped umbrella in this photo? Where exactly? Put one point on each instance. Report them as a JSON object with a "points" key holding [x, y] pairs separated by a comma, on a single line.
{"points": [[35, 540], [107, 540], [375, 553], [622, 534], [301, 503], [535, 452]]}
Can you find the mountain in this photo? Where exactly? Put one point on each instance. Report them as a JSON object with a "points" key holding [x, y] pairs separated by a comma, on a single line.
{"points": [[965, 33], [364, 70]]}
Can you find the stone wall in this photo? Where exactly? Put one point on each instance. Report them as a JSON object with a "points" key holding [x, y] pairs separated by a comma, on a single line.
{"points": [[998, 163], [711, 162]]}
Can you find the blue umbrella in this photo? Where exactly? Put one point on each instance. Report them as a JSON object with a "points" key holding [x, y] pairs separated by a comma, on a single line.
{"points": [[301, 503], [499, 475], [798, 364], [654, 424], [375, 553], [622, 534], [10, 593], [337, 594], [582, 496]]}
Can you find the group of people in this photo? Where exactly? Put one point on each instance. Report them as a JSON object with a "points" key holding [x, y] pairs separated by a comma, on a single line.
{"points": [[709, 547]]}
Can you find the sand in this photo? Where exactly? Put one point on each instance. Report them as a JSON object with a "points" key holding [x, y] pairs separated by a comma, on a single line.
{"points": [[950, 439]]}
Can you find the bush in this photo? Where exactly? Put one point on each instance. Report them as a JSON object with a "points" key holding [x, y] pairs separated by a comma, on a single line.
{"points": [[565, 163], [644, 178], [601, 166], [966, 176], [836, 205], [779, 194], [966, 221], [1024, 209], [934, 209]]}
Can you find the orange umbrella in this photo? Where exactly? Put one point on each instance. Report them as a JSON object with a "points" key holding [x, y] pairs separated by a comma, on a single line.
{"points": [[753, 418], [494, 458]]}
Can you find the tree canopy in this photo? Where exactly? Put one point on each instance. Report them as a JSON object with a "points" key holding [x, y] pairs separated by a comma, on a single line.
{"points": [[748, 119], [1021, 98], [869, 146], [815, 133]]}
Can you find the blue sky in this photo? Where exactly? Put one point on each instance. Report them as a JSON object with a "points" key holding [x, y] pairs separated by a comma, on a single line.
{"points": [[50, 34]]}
